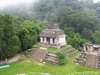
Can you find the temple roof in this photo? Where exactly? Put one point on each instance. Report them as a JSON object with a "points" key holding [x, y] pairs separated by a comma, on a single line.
{"points": [[93, 45], [52, 30], [96, 46], [52, 26]]}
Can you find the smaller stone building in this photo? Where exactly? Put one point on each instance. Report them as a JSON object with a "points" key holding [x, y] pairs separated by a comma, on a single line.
{"points": [[90, 56], [52, 36], [90, 48]]}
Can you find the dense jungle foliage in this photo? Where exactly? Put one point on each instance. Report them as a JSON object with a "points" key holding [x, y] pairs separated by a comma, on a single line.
{"points": [[80, 20], [17, 35]]}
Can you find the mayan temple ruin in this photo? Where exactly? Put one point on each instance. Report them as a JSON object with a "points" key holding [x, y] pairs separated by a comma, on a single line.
{"points": [[90, 56], [52, 36]]}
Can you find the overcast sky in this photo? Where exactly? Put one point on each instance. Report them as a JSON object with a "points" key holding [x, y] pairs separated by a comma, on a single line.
{"points": [[96, 0], [4, 3]]}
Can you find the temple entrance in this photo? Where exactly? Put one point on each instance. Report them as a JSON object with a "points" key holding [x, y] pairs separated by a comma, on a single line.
{"points": [[48, 40], [53, 40], [86, 48]]}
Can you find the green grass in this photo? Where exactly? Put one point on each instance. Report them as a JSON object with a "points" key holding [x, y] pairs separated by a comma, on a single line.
{"points": [[36, 46], [56, 50], [28, 66], [85, 73]]}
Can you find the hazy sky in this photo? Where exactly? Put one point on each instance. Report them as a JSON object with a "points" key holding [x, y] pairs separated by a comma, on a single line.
{"points": [[4, 3], [96, 0]]}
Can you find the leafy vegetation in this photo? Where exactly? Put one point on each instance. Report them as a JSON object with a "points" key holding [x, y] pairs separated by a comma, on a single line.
{"points": [[61, 58], [17, 35]]}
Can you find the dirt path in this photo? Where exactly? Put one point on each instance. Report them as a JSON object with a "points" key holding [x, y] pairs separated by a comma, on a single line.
{"points": [[13, 59]]}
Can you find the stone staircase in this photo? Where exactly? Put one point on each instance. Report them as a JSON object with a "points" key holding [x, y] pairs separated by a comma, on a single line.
{"points": [[51, 57], [38, 55], [91, 61], [43, 55], [30, 53], [66, 49], [70, 51]]}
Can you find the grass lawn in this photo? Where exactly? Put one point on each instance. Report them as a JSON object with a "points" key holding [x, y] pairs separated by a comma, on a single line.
{"points": [[28, 66]]}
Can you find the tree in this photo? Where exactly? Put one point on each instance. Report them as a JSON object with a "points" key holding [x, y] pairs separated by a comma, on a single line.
{"points": [[51, 17], [87, 34], [96, 37], [10, 42], [29, 34], [1, 34], [76, 40], [24, 35]]}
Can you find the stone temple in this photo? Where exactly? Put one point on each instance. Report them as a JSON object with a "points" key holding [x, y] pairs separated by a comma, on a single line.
{"points": [[52, 36], [90, 56]]}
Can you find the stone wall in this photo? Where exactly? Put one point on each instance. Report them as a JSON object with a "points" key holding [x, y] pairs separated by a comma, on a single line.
{"points": [[89, 60]]}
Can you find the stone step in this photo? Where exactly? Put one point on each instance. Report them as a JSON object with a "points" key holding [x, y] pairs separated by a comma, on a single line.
{"points": [[91, 61], [66, 49], [51, 54], [51, 58], [72, 54], [70, 51], [29, 55], [38, 55]]}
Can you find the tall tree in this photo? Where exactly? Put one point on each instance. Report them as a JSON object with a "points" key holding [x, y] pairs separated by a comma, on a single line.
{"points": [[96, 37], [10, 43], [1, 34]]}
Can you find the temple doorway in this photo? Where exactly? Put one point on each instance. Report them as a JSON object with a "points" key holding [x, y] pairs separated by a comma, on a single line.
{"points": [[48, 40], [53, 40]]}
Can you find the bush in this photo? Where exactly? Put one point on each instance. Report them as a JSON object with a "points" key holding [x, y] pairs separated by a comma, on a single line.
{"points": [[61, 58]]}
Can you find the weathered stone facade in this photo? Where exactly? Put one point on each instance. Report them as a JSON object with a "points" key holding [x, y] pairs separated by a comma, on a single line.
{"points": [[52, 36], [90, 56]]}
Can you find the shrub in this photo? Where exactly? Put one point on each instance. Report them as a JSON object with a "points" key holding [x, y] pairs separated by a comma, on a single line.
{"points": [[61, 58]]}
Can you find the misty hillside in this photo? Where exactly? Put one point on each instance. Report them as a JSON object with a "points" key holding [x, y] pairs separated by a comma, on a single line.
{"points": [[47, 10], [22, 10]]}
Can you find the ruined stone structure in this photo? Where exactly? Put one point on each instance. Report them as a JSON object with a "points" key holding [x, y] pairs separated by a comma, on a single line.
{"points": [[52, 36], [38, 54], [43, 55], [90, 56]]}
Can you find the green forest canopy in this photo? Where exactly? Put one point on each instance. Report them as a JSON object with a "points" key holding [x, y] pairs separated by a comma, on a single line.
{"points": [[17, 34]]}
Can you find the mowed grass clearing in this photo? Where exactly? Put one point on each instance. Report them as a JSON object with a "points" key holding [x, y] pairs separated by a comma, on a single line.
{"points": [[27, 66]]}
